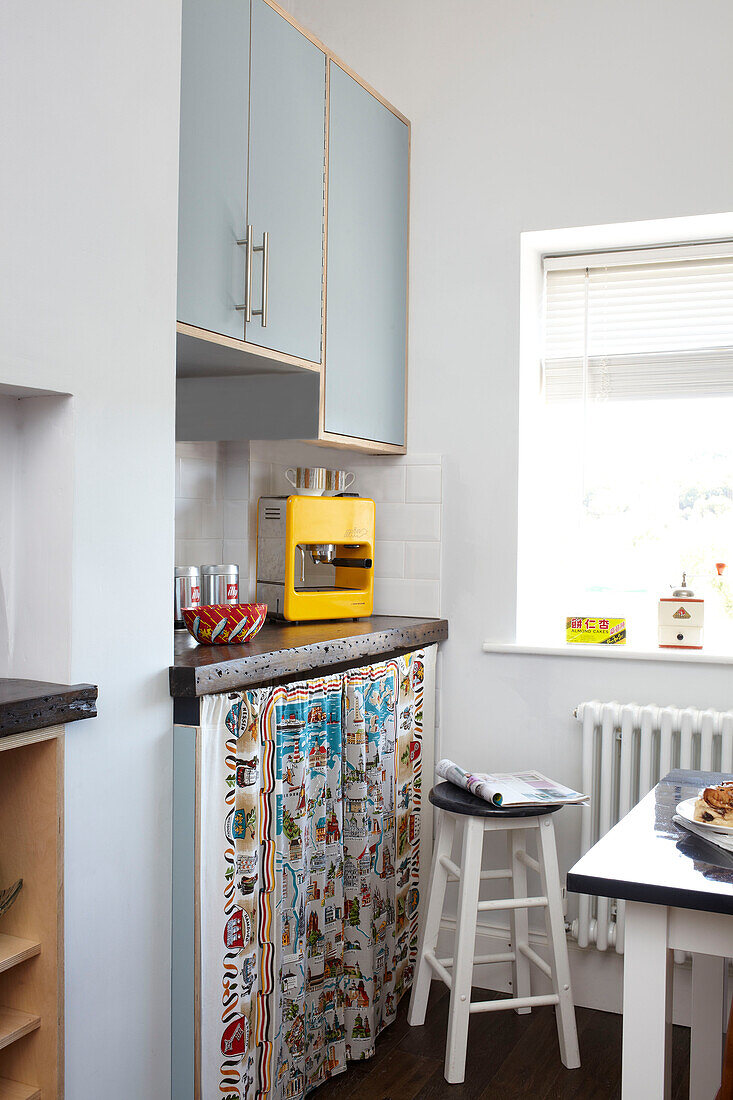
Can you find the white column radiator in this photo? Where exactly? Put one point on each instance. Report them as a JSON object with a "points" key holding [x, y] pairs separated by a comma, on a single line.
{"points": [[626, 749]]}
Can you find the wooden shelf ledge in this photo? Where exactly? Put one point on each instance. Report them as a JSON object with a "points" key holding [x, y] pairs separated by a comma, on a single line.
{"points": [[14, 1025], [14, 950], [13, 1090]]}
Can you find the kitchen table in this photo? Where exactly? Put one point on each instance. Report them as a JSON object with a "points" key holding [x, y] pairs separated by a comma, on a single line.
{"points": [[675, 892]]}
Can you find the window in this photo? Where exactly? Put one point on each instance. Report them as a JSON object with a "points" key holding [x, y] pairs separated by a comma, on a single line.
{"points": [[627, 436]]}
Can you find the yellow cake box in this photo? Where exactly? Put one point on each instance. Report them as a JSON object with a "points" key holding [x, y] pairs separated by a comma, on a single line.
{"points": [[580, 630]]}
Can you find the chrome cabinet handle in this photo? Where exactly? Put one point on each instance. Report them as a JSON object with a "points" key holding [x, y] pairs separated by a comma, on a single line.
{"points": [[264, 248], [247, 307]]}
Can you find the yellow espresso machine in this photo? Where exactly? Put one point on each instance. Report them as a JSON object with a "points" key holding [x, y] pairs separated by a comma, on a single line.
{"points": [[315, 557]]}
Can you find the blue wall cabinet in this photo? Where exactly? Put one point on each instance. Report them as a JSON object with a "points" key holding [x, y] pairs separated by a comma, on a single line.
{"points": [[253, 109], [285, 193], [212, 211], [293, 216], [366, 319]]}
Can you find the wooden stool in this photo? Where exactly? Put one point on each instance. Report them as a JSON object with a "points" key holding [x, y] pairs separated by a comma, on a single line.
{"points": [[479, 817]]}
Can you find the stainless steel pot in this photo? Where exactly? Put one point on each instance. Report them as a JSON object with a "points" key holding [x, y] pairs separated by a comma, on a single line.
{"points": [[186, 590], [219, 584]]}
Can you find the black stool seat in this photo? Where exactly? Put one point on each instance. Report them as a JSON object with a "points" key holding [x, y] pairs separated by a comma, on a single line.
{"points": [[446, 796]]}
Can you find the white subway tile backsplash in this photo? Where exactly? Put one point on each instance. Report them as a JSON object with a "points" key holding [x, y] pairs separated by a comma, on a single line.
{"points": [[422, 460], [188, 518], [212, 522], [252, 525], [423, 484], [407, 597], [422, 560], [403, 522], [235, 451], [198, 477], [278, 485], [291, 452], [236, 519], [198, 551], [201, 450], [235, 481], [217, 487], [383, 484], [236, 551], [260, 479], [389, 559], [211, 519]]}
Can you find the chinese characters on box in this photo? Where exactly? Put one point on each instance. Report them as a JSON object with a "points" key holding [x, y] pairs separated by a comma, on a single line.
{"points": [[580, 630]]}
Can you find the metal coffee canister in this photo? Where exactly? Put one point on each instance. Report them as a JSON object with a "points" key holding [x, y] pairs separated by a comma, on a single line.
{"points": [[219, 584], [186, 589]]}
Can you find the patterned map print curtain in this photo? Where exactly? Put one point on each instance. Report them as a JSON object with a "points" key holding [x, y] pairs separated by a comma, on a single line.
{"points": [[319, 876]]}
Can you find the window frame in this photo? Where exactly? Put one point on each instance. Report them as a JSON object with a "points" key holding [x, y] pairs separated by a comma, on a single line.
{"points": [[613, 240]]}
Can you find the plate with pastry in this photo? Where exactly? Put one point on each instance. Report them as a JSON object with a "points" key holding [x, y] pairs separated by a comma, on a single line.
{"points": [[712, 809]]}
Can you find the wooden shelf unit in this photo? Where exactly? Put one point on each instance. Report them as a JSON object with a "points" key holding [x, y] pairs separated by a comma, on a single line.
{"points": [[14, 950], [13, 1090], [31, 932], [14, 1025]]}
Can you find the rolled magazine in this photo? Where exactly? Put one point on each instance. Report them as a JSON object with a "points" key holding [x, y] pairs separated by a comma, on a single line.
{"points": [[510, 788]]}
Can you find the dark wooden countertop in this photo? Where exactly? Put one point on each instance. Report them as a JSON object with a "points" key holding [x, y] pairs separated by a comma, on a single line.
{"points": [[288, 651], [35, 704]]}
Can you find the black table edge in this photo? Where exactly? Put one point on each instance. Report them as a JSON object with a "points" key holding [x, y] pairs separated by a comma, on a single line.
{"points": [[648, 893]]}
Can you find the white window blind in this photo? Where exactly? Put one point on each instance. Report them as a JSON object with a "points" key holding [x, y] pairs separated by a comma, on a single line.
{"points": [[648, 324]]}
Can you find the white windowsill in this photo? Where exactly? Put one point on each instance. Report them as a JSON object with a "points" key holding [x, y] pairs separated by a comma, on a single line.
{"points": [[613, 652]]}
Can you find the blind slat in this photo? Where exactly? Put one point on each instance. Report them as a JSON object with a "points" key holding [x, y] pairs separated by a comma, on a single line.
{"points": [[632, 377], [652, 329]]}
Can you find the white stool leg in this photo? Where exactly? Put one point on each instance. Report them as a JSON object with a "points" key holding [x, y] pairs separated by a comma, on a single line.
{"points": [[446, 828], [460, 994], [566, 1030], [521, 978]]}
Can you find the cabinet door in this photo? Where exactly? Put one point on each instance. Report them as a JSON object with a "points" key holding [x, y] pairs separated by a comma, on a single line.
{"points": [[285, 194], [366, 304], [213, 164]]}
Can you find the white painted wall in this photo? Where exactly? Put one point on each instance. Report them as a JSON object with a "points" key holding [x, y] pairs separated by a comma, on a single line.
{"points": [[88, 117], [36, 496], [8, 447], [527, 116]]}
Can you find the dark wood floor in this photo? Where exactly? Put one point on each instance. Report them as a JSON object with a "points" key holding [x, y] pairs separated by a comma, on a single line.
{"points": [[508, 1056]]}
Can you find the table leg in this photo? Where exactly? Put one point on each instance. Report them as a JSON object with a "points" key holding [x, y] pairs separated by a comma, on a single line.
{"points": [[647, 1023], [706, 1034]]}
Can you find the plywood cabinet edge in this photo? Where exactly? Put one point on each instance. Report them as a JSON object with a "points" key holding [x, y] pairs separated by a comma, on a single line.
{"points": [[269, 359], [352, 443]]}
